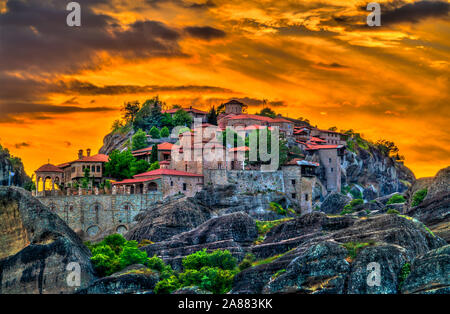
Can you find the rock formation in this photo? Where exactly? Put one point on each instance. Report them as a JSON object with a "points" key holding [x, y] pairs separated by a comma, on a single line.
{"points": [[11, 164], [36, 247]]}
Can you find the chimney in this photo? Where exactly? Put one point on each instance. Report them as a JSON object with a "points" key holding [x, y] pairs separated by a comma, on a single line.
{"points": [[80, 154], [88, 152]]}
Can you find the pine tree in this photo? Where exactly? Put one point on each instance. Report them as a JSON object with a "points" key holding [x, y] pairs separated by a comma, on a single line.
{"points": [[154, 155]]}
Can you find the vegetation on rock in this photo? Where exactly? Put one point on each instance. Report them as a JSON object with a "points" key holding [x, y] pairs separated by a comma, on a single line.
{"points": [[418, 197]]}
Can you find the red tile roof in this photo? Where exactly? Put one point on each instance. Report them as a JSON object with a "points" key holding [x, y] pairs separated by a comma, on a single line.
{"points": [[162, 146], [316, 147], [251, 117], [316, 139], [167, 172], [239, 149], [94, 158], [130, 181], [164, 162], [49, 168]]}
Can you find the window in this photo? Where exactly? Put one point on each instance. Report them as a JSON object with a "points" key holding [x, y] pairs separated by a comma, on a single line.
{"points": [[293, 182], [73, 169], [185, 167], [184, 186], [98, 168], [306, 197], [331, 169], [93, 169], [171, 183], [329, 160], [294, 195]]}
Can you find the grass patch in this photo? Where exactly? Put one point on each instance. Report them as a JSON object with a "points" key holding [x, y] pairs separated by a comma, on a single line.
{"points": [[404, 273], [354, 248], [270, 259], [278, 273], [419, 197], [265, 226]]}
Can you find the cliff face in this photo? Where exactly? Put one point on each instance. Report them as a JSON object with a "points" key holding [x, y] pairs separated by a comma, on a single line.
{"points": [[114, 140], [14, 164], [36, 247], [374, 174]]}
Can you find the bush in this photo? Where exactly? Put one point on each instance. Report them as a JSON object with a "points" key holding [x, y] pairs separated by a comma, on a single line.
{"points": [[356, 202], [247, 261], [393, 211], [145, 242], [396, 199], [277, 208], [115, 242], [165, 132], [218, 258], [154, 132], [353, 248], [404, 273], [167, 285], [419, 196], [132, 255], [156, 263]]}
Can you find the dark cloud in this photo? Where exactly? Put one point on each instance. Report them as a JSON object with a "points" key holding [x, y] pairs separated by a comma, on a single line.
{"points": [[183, 4], [35, 36], [333, 65], [22, 145], [71, 101], [205, 32], [87, 88], [430, 152], [414, 12]]}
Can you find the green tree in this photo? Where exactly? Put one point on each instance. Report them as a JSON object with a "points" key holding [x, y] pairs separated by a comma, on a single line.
{"points": [[211, 118], [139, 140], [165, 132], [154, 132], [237, 140], [140, 166], [86, 178], [154, 166], [130, 110], [149, 115], [120, 165], [154, 155], [181, 117], [267, 112], [282, 149]]}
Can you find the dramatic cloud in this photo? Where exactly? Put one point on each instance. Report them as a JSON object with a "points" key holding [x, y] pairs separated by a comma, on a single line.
{"points": [[22, 145], [415, 12], [205, 33]]}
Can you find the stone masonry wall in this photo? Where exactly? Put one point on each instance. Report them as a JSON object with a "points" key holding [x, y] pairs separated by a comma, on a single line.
{"points": [[94, 214]]}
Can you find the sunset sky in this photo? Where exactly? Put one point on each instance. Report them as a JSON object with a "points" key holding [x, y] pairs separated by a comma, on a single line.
{"points": [[62, 87]]}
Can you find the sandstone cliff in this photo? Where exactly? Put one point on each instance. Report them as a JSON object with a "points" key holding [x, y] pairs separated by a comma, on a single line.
{"points": [[36, 247]]}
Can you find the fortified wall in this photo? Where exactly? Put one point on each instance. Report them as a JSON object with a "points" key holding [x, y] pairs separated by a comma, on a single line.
{"points": [[94, 214]]}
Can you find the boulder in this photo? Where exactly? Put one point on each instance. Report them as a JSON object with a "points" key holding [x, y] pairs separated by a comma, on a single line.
{"points": [[136, 279], [389, 258], [166, 219], [321, 269], [440, 184], [334, 203], [191, 290], [430, 273], [37, 247], [230, 232]]}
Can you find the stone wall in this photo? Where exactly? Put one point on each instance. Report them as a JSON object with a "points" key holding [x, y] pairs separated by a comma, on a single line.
{"points": [[247, 181], [94, 214]]}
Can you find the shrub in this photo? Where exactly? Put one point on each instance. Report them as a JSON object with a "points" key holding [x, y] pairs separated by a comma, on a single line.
{"points": [[154, 132], [404, 273], [396, 199], [218, 258], [132, 255], [247, 261], [419, 196], [216, 280], [105, 265], [156, 263], [277, 208], [167, 285], [165, 132], [393, 211], [356, 202], [115, 242], [353, 248]]}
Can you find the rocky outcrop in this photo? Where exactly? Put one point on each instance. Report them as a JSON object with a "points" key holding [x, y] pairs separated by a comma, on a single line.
{"points": [[166, 219], [430, 273], [9, 164], [115, 140], [37, 247], [226, 199], [334, 203], [230, 232], [321, 246], [434, 211], [375, 173], [136, 279]]}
